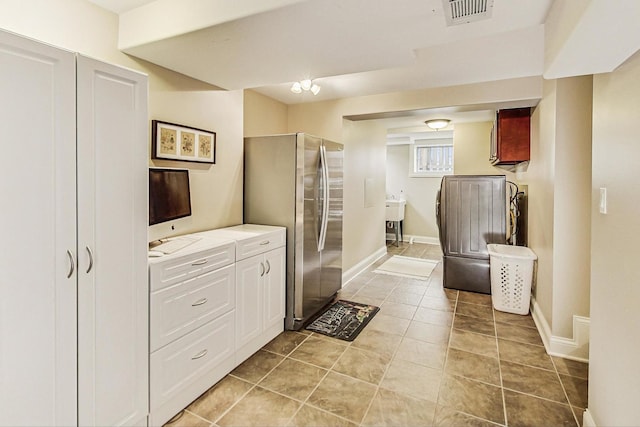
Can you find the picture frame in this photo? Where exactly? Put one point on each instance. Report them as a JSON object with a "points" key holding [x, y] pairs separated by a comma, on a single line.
{"points": [[171, 141]]}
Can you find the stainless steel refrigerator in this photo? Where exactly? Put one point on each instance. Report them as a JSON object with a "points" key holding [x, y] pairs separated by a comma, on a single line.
{"points": [[295, 181], [471, 212]]}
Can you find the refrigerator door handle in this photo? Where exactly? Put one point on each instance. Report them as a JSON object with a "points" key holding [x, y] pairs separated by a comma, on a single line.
{"points": [[325, 197]]}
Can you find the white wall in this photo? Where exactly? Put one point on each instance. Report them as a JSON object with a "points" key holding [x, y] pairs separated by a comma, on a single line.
{"points": [[614, 374], [83, 27]]}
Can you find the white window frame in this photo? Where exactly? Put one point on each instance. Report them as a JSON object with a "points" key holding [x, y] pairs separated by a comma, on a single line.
{"points": [[431, 144]]}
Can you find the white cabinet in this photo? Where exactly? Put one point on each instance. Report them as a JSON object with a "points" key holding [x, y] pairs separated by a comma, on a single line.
{"points": [[260, 284], [73, 304], [213, 304], [192, 324], [260, 300]]}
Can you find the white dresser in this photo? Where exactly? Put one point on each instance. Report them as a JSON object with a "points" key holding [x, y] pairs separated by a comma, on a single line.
{"points": [[212, 305]]}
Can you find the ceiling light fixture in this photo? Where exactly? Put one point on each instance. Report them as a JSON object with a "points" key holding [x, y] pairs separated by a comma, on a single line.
{"points": [[437, 123], [305, 85]]}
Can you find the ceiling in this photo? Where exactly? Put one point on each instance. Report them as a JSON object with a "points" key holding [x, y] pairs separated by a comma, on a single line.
{"points": [[350, 47]]}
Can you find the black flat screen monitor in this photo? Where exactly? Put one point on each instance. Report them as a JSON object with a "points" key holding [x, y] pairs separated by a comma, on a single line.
{"points": [[169, 195]]}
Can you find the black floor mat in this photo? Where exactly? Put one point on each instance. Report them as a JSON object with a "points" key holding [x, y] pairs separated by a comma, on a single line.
{"points": [[343, 320]]}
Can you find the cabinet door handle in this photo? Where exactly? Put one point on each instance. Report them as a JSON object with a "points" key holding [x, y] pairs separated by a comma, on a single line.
{"points": [[72, 265], [268, 267], [200, 355], [262, 269], [199, 302], [266, 242], [90, 259], [201, 262]]}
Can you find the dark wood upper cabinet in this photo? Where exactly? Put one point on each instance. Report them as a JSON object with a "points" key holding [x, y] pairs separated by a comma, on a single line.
{"points": [[511, 137]]}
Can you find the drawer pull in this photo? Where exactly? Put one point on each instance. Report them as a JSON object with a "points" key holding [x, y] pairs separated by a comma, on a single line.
{"points": [[199, 302], [200, 355], [201, 262], [266, 242]]}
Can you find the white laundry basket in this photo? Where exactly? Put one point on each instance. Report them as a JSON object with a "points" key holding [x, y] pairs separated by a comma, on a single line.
{"points": [[511, 276]]}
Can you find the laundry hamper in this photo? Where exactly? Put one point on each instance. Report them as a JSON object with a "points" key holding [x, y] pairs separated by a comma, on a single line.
{"points": [[511, 277]]}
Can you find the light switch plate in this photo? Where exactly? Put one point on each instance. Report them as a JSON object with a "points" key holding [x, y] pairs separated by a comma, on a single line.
{"points": [[603, 200]]}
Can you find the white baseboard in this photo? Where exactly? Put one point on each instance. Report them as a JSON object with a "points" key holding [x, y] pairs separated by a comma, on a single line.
{"points": [[415, 239], [576, 348], [422, 239], [587, 419], [362, 265]]}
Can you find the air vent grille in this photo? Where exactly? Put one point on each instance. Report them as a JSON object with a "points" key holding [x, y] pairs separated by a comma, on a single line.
{"points": [[465, 11]]}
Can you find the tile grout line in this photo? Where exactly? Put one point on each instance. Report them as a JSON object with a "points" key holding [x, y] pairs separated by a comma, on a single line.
{"points": [[318, 385], [564, 390], [378, 386], [288, 356], [446, 356], [253, 386], [504, 399], [377, 390]]}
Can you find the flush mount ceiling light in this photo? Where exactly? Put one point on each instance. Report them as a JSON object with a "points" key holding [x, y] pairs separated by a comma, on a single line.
{"points": [[437, 123], [305, 85]]}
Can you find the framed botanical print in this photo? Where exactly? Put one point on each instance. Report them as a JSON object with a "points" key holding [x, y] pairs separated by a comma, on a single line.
{"points": [[171, 141]]}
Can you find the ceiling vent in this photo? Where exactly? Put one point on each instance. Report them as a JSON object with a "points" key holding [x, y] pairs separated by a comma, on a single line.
{"points": [[466, 11]]}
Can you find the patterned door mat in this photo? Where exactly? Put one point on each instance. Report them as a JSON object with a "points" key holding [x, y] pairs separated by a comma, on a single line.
{"points": [[343, 320]]}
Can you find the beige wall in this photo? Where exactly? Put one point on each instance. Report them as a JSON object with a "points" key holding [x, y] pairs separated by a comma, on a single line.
{"points": [[539, 179], [80, 26], [327, 116], [420, 194], [572, 203], [364, 186], [558, 180], [263, 115], [614, 374], [327, 119], [471, 143]]}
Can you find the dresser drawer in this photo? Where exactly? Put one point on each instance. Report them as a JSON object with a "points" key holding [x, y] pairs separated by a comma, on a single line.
{"points": [[181, 308], [173, 268], [251, 239], [249, 247], [176, 366]]}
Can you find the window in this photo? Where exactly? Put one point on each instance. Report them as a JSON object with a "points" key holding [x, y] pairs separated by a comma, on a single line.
{"points": [[432, 160]]}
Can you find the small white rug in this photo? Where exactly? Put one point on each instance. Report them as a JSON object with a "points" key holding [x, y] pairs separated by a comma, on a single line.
{"points": [[407, 267]]}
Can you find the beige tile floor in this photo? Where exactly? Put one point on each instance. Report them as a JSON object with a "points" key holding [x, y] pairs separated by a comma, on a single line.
{"points": [[430, 357]]}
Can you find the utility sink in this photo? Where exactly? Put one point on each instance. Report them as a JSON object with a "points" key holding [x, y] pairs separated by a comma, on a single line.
{"points": [[394, 210]]}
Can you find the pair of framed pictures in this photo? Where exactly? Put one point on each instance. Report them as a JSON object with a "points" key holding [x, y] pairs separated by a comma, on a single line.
{"points": [[177, 142]]}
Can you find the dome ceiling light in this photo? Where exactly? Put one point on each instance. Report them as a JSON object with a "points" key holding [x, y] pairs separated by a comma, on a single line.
{"points": [[437, 124]]}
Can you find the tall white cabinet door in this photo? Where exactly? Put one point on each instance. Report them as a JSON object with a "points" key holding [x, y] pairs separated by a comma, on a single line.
{"points": [[112, 243], [37, 262]]}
